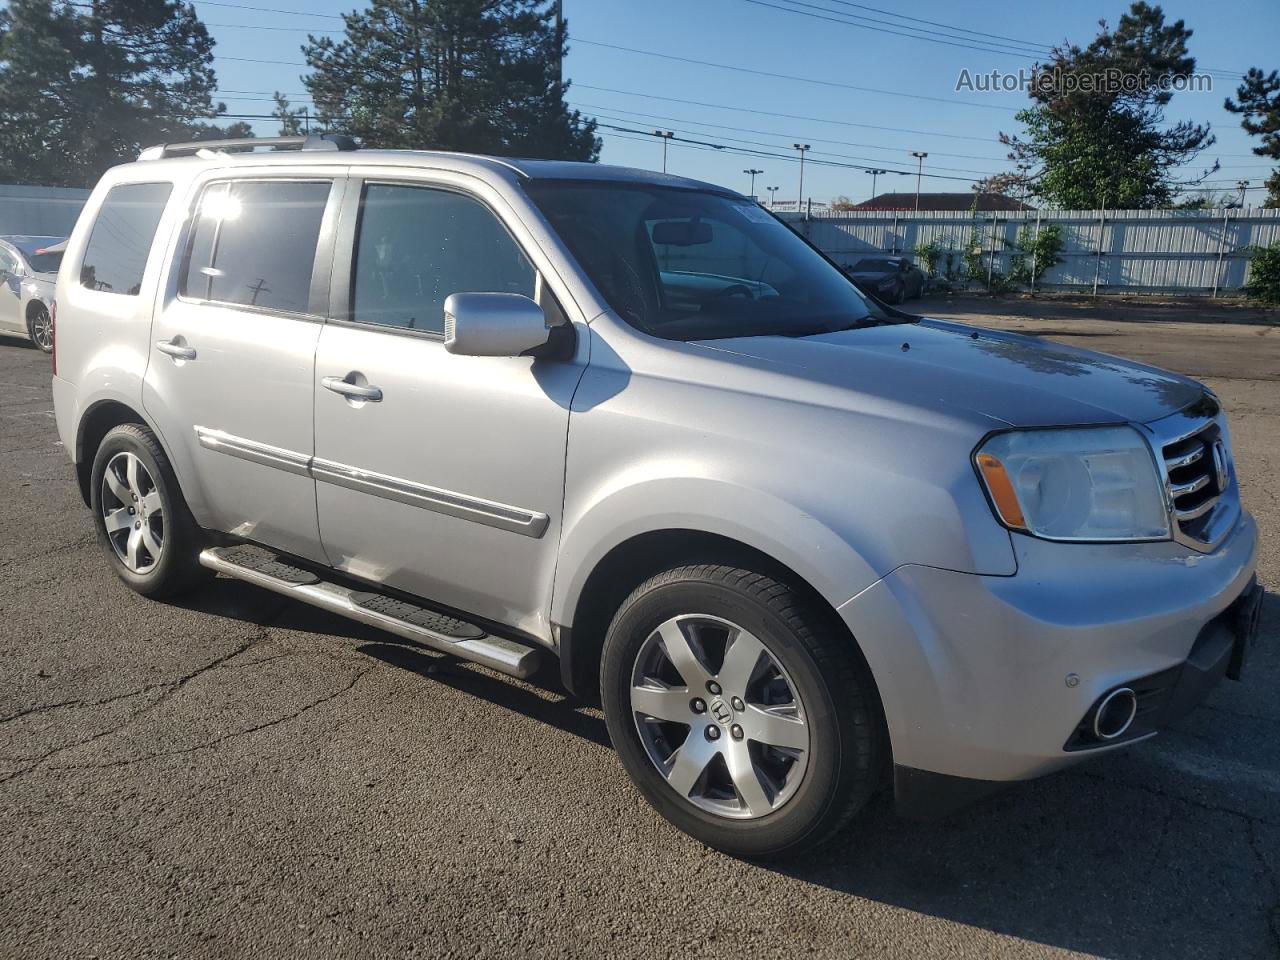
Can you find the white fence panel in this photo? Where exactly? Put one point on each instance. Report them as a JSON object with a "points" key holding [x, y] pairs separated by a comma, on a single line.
{"points": [[1134, 251]]}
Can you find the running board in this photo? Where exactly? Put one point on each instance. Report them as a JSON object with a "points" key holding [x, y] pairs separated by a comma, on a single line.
{"points": [[437, 630]]}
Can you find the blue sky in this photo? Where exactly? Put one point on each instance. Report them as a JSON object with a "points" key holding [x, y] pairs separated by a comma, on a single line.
{"points": [[917, 107]]}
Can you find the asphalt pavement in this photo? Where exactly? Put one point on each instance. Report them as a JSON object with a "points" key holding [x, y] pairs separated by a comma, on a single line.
{"points": [[239, 775]]}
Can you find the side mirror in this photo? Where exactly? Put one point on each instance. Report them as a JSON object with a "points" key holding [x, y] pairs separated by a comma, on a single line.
{"points": [[493, 324]]}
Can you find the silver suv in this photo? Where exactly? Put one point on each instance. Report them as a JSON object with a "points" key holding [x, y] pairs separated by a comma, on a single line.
{"points": [[803, 545]]}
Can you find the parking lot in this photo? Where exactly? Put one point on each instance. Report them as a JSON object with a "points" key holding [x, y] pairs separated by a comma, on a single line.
{"points": [[238, 774]]}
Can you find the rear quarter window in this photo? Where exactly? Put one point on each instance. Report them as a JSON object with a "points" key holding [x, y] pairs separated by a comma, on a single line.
{"points": [[121, 237]]}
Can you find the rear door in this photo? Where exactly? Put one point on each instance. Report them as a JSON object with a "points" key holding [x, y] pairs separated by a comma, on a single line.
{"points": [[229, 381], [450, 485]]}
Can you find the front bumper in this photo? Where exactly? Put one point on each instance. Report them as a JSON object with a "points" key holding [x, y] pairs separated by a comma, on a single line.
{"points": [[989, 678]]}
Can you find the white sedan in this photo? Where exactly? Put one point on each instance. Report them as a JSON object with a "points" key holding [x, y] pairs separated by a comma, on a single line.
{"points": [[28, 272]]}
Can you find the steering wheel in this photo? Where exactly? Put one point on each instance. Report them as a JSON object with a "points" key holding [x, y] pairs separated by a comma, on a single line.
{"points": [[734, 290]]}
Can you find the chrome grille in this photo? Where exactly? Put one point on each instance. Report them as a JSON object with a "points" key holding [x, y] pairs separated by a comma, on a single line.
{"points": [[1198, 475]]}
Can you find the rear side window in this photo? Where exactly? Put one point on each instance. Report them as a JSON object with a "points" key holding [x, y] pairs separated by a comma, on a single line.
{"points": [[121, 237], [417, 245], [254, 243]]}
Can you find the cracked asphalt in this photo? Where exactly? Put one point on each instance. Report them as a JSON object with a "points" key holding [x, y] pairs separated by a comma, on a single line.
{"points": [[239, 775]]}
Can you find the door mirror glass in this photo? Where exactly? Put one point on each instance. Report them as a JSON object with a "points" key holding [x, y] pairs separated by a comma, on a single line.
{"points": [[493, 324]]}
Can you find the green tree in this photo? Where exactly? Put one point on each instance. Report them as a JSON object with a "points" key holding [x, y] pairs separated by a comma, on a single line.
{"points": [[1258, 102], [291, 121], [475, 75], [1096, 134], [84, 86]]}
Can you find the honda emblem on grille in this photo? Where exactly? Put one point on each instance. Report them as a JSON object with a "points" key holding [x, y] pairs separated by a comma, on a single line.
{"points": [[1220, 465]]}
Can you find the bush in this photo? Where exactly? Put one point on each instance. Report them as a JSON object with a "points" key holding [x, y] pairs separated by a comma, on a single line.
{"points": [[929, 254], [1264, 273]]}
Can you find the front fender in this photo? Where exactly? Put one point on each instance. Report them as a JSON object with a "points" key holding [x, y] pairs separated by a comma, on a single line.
{"points": [[710, 505]]}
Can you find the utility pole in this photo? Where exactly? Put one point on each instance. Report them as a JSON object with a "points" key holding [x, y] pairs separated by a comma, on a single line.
{"points": [[773, 196], [753, 173], [665, 135], [803, 148], [874, 174], [1242, 186], [559, 42], [919, 155]]}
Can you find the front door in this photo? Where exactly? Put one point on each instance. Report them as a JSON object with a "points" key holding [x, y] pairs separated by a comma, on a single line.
{"points": [[230, 378], [447, 482], [11, 318]]}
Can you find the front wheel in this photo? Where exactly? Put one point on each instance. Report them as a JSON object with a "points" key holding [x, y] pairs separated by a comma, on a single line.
{"points": [[742, 713], [40, 328]]}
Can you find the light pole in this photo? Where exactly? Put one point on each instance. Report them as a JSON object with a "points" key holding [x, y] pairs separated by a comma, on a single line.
{"points": [[1242, 186], [665, 135], [919, 155], [874, 174], [803, 148], [753, 173], [773, 196]]}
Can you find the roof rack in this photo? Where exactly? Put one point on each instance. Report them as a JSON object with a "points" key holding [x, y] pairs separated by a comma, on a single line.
{"points": [[316, 141]]}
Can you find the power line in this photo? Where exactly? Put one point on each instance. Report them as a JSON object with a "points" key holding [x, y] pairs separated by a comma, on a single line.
{"points": [[743, 151], [254, 26], [257, 9], [852, 23], [787, 116], [787, 76], [827, 153], [577, 104], [935, 23]]}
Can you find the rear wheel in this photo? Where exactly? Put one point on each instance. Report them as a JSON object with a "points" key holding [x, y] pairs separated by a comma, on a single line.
{"points": [[143, 523], [740, 712], [40, 327]]}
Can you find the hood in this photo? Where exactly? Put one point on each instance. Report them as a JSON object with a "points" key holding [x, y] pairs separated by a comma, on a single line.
{"points": [[1005, 377]]}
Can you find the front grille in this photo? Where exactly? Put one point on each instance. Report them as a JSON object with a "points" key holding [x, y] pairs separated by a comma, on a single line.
{"points": [[1198, 475]]}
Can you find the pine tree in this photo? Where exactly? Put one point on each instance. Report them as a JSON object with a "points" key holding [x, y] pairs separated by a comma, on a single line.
{"points": [[1095, 146], [1258, 101], [84, 86], [480, 76]]}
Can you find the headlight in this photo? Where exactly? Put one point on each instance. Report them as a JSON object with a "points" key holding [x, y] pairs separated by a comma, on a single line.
{"points": [[1092, 483]]}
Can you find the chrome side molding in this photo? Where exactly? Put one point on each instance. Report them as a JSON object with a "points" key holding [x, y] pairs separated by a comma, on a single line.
{"points": [[526, 523]]}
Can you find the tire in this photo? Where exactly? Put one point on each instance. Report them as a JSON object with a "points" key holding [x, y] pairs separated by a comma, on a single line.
{"points": [[796, 796], [40, 328], [143, 524]]}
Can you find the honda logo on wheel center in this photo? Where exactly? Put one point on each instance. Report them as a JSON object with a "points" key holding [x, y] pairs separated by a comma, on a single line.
{"points": [[720, 710]]}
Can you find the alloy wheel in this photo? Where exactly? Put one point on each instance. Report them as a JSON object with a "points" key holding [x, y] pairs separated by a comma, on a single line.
{"points": [[132, 512], [719, 717], [42, 330]]}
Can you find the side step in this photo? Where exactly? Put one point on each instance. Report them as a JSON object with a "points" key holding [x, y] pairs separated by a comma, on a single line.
{"points": [[437, 630]]}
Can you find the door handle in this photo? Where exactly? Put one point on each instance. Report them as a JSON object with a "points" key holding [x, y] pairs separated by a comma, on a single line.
{"points": [[355, 391], [177, 350]]}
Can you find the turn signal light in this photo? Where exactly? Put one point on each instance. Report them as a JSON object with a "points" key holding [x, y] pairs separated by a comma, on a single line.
{"points": [[1001, 490]]}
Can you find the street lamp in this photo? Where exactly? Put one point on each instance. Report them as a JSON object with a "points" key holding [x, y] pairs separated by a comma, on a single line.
{"points": [[1242, 186], [753, 173], [803, 148], [874, 174], [919, 155], [665, 135], [773, 196]]}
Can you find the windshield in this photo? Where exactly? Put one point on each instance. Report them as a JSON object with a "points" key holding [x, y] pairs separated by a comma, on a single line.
{"points": [[38, 258], [696, 265], [45, 262]]}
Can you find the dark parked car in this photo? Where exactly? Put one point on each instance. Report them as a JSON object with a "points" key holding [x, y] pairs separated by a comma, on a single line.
{"points": [[891, 279]]}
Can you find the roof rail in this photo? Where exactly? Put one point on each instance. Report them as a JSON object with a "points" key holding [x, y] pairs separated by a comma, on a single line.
{"points": [[315, 141]]}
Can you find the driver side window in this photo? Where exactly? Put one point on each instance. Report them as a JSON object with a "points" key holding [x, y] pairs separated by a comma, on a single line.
{"points": [[417, 245]]}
